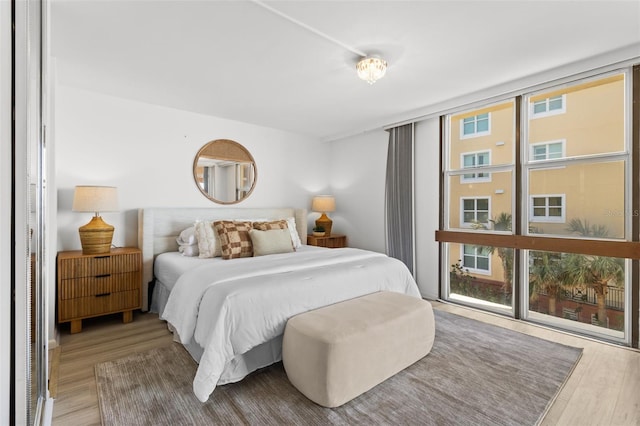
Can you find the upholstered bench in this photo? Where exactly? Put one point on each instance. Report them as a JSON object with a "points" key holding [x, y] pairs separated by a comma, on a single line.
{"points": [[335, 353]]}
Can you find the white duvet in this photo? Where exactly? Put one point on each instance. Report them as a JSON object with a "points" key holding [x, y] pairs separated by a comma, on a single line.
{"points": [[230, 307]]}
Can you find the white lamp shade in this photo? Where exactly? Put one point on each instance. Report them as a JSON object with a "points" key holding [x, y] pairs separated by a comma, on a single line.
{"points": [[95, 199], [323, 203]]}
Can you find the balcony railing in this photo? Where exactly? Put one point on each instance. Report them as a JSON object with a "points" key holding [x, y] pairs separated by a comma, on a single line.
{"points": [[613, 300]]}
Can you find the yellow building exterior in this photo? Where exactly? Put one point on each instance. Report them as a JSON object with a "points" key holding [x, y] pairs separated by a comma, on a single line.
{"points": [[570, 139]]}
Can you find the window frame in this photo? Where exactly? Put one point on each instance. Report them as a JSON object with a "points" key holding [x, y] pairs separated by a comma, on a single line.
{"points": [[476, 169], [532, 146], [476, 133], [547, 113], [476, 248], [547, 218], [464, 224]]}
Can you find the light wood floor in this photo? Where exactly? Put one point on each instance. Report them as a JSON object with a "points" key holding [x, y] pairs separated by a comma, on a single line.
{"points": [[604, 388], [102, 339]]}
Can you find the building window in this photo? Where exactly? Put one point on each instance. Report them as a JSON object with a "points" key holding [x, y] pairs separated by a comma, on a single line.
{"points": [[547, 150], [474, 126], [475, 211], [547, 208], [548, 106], [476, 258], [473, 160]]}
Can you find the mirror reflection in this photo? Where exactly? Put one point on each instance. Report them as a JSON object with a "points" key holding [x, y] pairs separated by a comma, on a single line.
{"points": [[224, 171]]}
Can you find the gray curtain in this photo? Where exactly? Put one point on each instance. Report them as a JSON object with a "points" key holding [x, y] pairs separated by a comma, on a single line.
{"points": [[399, 195]]}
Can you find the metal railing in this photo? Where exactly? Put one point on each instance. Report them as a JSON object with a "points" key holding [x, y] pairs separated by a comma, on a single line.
{"points": [[613, 300]]}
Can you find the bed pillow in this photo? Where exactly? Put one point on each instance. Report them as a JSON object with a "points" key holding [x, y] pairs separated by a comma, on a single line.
{"points": [[187, 242], [187, 237], [295, 238], [189, 250], [234, 237], [208, 241], [271, 241], [279, 224], [274, 224]]}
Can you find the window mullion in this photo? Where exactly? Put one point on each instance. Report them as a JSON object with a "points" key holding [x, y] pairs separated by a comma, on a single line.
{"points": [[516, 218]]}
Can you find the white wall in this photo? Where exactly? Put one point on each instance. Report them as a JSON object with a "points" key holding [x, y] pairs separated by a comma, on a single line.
{"points": [[358, 171], [147, 151]]}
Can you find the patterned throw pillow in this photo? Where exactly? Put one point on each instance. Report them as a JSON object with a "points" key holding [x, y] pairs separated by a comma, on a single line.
{"points": [[234, 238], [267, 226]]}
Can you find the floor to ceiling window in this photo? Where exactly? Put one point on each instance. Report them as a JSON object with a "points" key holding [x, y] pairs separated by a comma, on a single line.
{"points": [[481, 159], [539, 196]]}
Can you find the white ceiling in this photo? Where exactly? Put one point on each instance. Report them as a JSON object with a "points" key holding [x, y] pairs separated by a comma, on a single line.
{"points": [[237, 60]]}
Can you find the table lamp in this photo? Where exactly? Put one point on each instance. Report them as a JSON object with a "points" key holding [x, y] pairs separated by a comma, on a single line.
{"points": [[324, 204], [96, 235]]}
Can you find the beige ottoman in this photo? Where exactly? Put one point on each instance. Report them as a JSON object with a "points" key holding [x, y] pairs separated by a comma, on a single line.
{"points": [[335, 353]]}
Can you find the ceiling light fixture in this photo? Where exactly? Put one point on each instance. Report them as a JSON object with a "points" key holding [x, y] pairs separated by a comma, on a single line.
{"points": [[371, 68]]}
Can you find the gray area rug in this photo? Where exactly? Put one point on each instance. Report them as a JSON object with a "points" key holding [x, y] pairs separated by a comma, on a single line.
{"points": [[476, 374]]}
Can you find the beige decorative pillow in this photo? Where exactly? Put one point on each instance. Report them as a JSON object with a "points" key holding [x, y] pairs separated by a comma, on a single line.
{"points": [[208, 241], [234, 238], [271, 242], [274, 224]]}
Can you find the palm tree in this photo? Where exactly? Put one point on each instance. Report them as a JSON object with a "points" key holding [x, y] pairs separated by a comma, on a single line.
{"points": [[596, 272], [502, 222], [546, 276], [577, 226]]}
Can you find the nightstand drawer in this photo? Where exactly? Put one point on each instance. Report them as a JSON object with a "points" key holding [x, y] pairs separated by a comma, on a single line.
{"points": [[100, 284], [99, 304], [329, 241], [90, 266]]}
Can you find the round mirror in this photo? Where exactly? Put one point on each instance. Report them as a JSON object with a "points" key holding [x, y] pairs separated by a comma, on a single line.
{"points": [[224, 171]]}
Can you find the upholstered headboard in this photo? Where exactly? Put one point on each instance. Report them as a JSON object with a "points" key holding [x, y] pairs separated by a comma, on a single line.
{"points": [[158, 228]]}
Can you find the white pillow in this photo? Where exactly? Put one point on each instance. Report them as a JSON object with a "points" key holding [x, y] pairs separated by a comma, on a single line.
{"points": [[271, 242], [187, 237], [295, 238], [190, 251], [208, 240]]}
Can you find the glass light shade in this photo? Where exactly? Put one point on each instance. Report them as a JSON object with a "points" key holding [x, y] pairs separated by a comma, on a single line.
{"points": [[323, 203], [95, 199], [371, 69]]}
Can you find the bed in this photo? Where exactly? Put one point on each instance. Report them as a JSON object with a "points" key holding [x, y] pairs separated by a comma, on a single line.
{"points": [[230, 314]]}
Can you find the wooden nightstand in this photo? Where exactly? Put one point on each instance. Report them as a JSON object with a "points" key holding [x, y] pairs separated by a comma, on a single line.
{"points": [[98, 284], [331, 241]]}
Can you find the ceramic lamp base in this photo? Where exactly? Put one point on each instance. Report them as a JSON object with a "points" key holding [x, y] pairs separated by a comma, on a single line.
{"points": [[326, 223], [96, 236]]}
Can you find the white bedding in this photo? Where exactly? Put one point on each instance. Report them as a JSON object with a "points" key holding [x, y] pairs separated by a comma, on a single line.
{"points": [[168, 267], [230, 307]]}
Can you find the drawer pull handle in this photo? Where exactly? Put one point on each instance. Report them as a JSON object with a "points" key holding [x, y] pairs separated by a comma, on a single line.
{"points": [[103, 294], [103, 276], [102, 257]]}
